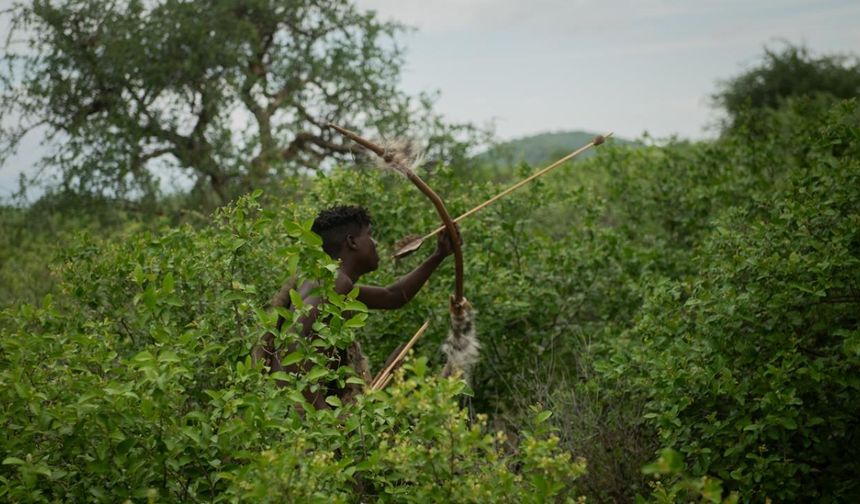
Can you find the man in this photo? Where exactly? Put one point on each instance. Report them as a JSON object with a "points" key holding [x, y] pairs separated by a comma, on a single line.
{"points": [[347, 236]]}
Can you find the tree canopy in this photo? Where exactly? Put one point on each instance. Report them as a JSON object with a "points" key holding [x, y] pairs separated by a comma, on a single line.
{"points": [[788, 73], [228, 92]]}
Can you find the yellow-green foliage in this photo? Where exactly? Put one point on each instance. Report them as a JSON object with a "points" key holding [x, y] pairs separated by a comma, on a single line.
{"points": [[750, 367], [135, 381], [698, 296]]}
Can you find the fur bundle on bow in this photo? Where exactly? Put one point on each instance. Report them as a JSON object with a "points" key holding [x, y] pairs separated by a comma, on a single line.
{"points": [[461, 347]]}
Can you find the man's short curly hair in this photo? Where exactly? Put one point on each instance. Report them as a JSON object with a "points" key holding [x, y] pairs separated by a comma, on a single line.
{"points": [[335, 223]]}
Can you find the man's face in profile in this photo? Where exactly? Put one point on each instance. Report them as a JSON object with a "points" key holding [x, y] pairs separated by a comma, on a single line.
{"points": [[367, 248]]}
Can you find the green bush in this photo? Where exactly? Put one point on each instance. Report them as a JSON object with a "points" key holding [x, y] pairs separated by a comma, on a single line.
{"points": [[751, 367], [33, 235], [694, 295], [781, 75], [134, 381]]}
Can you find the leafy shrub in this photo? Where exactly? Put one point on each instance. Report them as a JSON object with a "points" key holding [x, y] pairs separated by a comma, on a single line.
{"points": [[34, 235], [785, 74], [671, 484], [694, 295], [134, 382], [751, 367]]}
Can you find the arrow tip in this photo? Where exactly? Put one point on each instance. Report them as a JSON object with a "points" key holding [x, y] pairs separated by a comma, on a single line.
{"points": [[599, 139]]}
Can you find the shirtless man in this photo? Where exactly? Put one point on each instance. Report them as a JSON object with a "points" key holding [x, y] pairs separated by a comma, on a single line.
{"points": [[347, 236]]}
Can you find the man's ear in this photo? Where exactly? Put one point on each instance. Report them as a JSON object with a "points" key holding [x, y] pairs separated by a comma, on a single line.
{"points": [[350, 242]]}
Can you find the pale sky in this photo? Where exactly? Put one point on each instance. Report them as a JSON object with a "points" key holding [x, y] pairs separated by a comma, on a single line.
{"points": [[611, 65], [625, 66]]}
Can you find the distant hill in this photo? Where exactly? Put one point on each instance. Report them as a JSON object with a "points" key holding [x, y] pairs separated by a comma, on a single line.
{"points": [[540, 148]]}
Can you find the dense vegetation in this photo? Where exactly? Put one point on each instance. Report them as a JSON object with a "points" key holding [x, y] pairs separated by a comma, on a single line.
{"points": [[782, 74], [666, 322], [136, 381], [701, 297]]}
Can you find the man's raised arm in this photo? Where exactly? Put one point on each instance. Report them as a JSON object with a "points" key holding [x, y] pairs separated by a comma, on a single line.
{"points": [[406, 287]]}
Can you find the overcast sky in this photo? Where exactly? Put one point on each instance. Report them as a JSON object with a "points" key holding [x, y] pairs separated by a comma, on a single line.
{"points": [[610, 65], [627, 66]]}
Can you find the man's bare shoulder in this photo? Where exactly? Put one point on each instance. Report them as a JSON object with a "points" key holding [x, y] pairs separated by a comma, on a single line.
{"points": [[282, 298], [308, 290], [343, 284]]}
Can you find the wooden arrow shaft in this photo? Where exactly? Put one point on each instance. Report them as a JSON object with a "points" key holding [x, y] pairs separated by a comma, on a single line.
{"points": [[382, 378]]}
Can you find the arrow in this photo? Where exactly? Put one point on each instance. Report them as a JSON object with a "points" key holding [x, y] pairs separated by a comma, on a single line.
{"points": [[410, 244]]}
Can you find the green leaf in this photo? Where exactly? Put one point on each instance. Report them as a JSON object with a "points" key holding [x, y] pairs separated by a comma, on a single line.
{"points": [[192, 434], [712, 491], [280, 375], [788, 423], [317, 372], [292, 358], [149, 297], [138, 274], [13, 461], [293, 229], [356, 321], [292, 264], [296, 397], [669, 462], [542, 417], [143, 358], [168, 283], [312, 239], [466, 390], [113, 390], [334, 401], [419, 367], [296, 300], [269, 320], [168, 356], [356, 306]]}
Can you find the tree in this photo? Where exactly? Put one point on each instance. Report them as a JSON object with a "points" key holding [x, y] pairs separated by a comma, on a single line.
{"points": [[790, 73], [229, 92]]}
